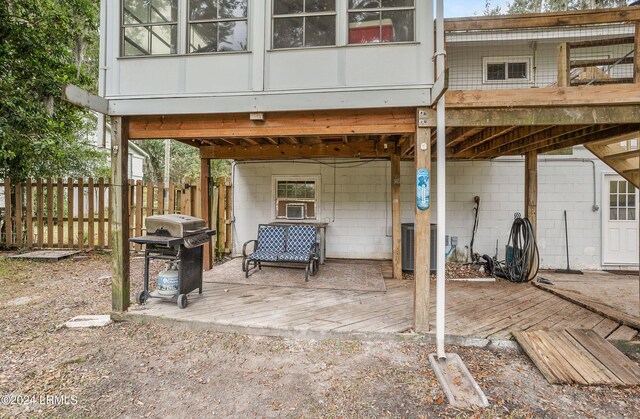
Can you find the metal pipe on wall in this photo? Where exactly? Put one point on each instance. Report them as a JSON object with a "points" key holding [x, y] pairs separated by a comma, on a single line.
{"points": [[441, 184]]}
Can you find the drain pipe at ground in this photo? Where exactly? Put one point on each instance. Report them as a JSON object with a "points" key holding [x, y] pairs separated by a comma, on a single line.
{"points": [[441, 183]]}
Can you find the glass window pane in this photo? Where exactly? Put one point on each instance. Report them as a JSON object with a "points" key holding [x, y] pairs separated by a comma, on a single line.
{"points": [[517, 70], [136, 11], [164, 10], [233, 36], [622, 200], [397, 3], [312, 6], [622, 214], [164, 39], [203, 37], [397, 26], [285, 7], [136, 41], [232, 8], [282, 190], [364, 4], [622, 186], [287, 33], [613, 186], [320, 31], [631, 214], [495, 71], [203, 9], [613, 200], [613, 214], [364, 28]]}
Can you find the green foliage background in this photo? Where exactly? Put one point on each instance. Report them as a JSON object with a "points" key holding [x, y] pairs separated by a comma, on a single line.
{"points": [[540, 6], [45, 44]]}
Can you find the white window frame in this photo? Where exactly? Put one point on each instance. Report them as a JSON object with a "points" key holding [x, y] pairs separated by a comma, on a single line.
{"points": [[527, 59], [302, 178], [304, 15]]}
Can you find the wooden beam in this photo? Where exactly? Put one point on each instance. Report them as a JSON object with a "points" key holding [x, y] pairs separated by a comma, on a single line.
{"points": [[543, 20], [585, 139], [205, 210], [481, 137], [360, 149], [564, 65], [601, 42], [636, 55], [531, 189], [545, 135], [422, 240], [543, 97], [569, 115], [119, 206], [488, 148], [279, 124], [80, 97], [594, 62], [396, 216]]}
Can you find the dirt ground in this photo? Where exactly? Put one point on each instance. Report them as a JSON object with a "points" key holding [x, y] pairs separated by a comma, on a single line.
{"points": [[154, 370]]}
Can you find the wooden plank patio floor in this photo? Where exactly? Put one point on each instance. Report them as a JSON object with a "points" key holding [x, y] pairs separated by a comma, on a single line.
{"points": [[474, 310]]}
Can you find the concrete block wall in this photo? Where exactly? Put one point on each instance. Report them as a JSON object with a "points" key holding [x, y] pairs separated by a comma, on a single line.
{"points": [[355, 200]]}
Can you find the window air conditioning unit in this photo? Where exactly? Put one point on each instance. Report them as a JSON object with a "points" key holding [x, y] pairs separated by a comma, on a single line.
{"points": [[295, 211]]}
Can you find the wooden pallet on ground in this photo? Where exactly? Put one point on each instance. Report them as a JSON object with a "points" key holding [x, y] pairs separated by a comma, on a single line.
{"points": [[578, 356]]}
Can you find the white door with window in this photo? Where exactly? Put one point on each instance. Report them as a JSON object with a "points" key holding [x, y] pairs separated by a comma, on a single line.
{"points": [[620, 222]]}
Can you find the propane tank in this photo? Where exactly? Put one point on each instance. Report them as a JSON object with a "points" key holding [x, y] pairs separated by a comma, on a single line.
{"points": [[168, 280]]}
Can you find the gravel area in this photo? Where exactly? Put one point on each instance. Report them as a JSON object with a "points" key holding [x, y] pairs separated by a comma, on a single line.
{"points": [[158, 370]]}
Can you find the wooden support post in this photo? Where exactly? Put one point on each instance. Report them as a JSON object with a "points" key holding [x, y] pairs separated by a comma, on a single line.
{"points": [[564, 65], [7, 212], [531, 188], [422, 234], [118, 208], [205, 209], [636, 55], [395, 216]]}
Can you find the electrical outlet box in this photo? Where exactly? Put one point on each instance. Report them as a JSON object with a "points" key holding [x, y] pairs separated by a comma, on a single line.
{"points": [[454, 240]]}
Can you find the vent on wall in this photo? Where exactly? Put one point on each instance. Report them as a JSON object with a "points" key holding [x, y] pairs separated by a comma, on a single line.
{"points": [[295, 211]]}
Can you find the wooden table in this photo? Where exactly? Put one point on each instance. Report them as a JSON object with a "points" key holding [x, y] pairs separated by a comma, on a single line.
{"points": [[322, 227]]}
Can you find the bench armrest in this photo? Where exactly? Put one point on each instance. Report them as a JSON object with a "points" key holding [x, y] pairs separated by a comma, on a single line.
{"points": [[244, 247]]}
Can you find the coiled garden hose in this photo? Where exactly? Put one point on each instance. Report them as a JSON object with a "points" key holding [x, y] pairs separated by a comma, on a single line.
{"points": [[525, 260]]}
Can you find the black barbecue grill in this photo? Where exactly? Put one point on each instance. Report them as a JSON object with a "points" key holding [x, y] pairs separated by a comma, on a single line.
{"points": [[177, 239]]}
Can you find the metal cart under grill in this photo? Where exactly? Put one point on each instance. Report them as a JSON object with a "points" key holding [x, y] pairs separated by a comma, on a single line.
{"points": [[178, 239]]}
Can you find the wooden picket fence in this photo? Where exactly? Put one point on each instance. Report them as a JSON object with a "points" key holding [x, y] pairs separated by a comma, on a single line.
{"points": [[74, 213]]}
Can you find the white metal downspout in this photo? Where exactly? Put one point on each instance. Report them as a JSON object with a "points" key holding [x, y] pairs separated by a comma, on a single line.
{"points": [[441, 182], [102, 69]]}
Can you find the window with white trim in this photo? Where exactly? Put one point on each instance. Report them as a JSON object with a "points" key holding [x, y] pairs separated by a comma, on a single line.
{"points": [[149, 27], [304, 23], [375, 21], [296, 197], [217, 25], [622, 201], [506, 69]]}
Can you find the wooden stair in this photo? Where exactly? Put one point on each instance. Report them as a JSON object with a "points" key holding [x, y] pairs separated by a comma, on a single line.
{"points": [[621, 154]]}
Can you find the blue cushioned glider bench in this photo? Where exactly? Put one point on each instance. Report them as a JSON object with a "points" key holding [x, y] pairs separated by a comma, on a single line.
{"points": [[283, 243]]}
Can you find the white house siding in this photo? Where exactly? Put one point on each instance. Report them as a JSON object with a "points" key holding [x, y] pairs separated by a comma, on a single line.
{"points": [[360, 226]]}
